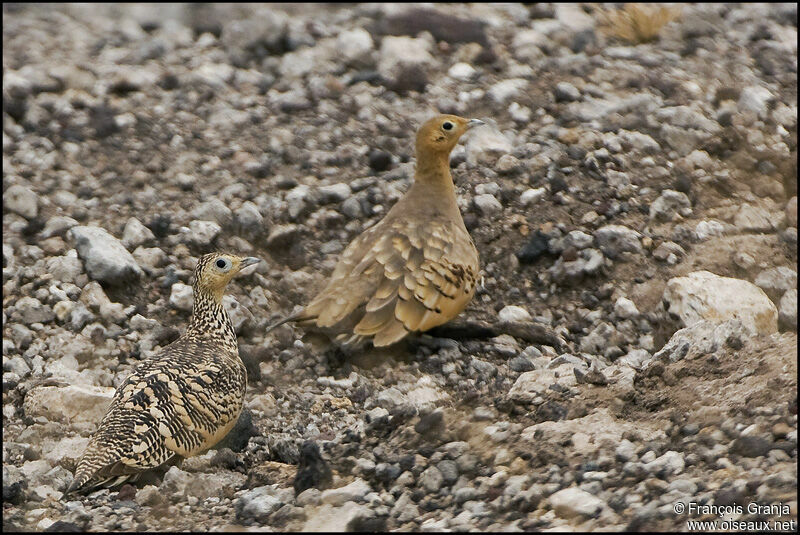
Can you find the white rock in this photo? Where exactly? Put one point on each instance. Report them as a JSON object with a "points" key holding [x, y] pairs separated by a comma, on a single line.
{"points": [[105, 257], [514, 313], [352, 492], [135, 234], [487, 204], [73, 403], [531, 385], [531, 196], [400, 51], [776, 281], [572, 502], [203, 232], [505, 90], [755, 98], [21, 200], [669, 204], [752, 219], [788, 309], [181, 296], [702, 295], [354, 45], [485, 145], [335, 519], [462, 71], [708, 229], [625, 308]]}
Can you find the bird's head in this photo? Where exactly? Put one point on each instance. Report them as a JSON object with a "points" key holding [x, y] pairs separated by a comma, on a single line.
{"points": [[440, 134], [215, 270]]}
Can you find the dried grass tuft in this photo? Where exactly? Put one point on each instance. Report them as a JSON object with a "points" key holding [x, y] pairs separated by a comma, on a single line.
{"points": [[637, 23]]}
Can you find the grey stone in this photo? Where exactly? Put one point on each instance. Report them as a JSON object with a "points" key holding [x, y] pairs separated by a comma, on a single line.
{"points": [[181, 296], [431, 479], [352, 492], [202, 233], [776, 281], [614, 240], [249, 218], [257, 504], [21, 200], [30, 310], [566, 92], [136, 234], [753, 219], [669, 205], [64, 268], [788, 309], [702, 295], [104, 256], [573, 502], [487, 204]]}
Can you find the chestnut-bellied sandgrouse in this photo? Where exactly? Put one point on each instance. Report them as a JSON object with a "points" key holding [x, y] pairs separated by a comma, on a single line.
{"points": [[416, 268], [179, 402]]}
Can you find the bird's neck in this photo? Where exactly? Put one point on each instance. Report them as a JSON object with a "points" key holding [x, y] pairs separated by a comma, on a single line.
{"points": [[209, 319], [432, 177]]}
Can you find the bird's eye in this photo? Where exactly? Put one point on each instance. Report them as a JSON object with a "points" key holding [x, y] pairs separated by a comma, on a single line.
{"points": [[222, 263], [447, 125]]}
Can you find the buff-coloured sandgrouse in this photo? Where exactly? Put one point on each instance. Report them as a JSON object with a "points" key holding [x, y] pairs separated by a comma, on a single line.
{"points": [[179, 402], [413, 270]]}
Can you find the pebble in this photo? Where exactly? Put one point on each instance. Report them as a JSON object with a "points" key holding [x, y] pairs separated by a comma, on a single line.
{"points": [[105, 257], [574, 502], [21, 200], [614, 240], [136, 234], [776, 281], [669, 205], [487, 204], [352, 492], [703, 295], [513, 313], [787, 313]]}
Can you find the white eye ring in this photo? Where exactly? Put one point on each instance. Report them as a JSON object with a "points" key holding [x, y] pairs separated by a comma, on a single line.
{"points": [[222, 264], [447, 125]]}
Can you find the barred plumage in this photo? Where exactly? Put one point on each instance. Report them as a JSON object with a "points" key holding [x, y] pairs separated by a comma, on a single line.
{"points": [[415, 269], [179, 402]]}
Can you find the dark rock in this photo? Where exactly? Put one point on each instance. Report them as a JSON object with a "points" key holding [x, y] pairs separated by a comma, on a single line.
{"points": [[241, 433], [379, 160], [159, 225], [59, 526], [252, 356], [430, 422], [751, 446], [443, 26], [312, 471], [101, 120], [536, 247]]}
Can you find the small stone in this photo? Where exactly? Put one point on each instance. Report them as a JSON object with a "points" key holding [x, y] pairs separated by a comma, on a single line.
{"points": [[531, 196], [791, 212], [669, 205], [751, 446], [702, 295], [202, 233], [614, 240], [574, 502], [708, 229], [625, 308], [353, 492], [21, 200], [30, 310], [136, 234], [505, 90], [431, 479], [566, 92], [181, 296], [752, 219], [72, 403], [487, 204], [776, 281], [105, 257], [514, 313], [788, 309], [463, 72], [379, 160]]}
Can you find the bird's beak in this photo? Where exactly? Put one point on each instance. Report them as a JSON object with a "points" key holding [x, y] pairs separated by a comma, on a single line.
{"points": [[249, 261], [472, 123]]}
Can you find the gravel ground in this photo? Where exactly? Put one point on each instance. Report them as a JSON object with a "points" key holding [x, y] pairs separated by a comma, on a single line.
{"points": [[632, 344]]}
